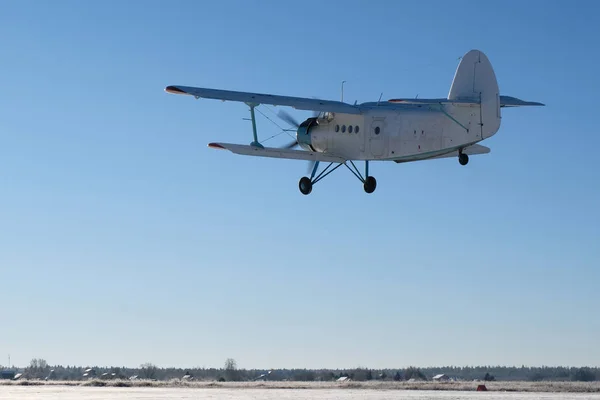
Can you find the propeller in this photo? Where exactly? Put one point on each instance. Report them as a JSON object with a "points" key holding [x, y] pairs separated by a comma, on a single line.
{"points": [[290, 120]]}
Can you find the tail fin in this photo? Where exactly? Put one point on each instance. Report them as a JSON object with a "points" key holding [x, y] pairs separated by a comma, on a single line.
{"points": [[475, 80]]}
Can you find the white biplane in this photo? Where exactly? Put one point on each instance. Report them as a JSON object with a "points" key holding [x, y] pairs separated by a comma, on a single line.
{"points": [[399, 130]]}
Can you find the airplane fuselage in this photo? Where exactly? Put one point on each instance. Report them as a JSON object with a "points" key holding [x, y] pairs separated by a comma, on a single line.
{"points": [[397, 133]]}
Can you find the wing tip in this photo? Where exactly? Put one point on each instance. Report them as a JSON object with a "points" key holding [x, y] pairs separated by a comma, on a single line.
{"points": [[174, 90], [216, 146]]}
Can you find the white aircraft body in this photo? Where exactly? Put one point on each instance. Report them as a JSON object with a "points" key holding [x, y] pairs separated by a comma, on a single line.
{"points": [[399, 130]]}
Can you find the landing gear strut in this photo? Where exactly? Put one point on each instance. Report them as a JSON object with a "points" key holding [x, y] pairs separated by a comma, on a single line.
{"points": [[463, 159], [305, 185]]}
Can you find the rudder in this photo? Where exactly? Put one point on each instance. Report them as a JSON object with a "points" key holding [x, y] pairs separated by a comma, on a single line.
{"points": [[475, 80]]}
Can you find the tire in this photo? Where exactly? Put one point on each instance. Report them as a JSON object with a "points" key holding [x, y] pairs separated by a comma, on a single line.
{"points": [[370, 184], [305, 185]]}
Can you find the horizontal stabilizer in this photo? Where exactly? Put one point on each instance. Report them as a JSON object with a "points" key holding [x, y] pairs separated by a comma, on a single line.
{"points": [[505, 101], [299, 103], [476, 149], [248, 150], [508, 101], [472, 150], [471, 102]]}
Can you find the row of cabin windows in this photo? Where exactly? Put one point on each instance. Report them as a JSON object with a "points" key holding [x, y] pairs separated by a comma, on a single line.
{"points": [[350, 128]]}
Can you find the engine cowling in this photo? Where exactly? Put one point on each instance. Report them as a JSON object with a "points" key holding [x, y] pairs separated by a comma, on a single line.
{"points": [[303, 134]]}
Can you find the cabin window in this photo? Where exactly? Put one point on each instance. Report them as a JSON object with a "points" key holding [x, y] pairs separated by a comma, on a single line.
{"points": [[343, 128], [337, 128], [356, 129], [350, 129], [377, 130]]}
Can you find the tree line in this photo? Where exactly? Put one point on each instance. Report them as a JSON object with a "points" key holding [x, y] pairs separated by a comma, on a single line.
{"points": [[40, 369]]}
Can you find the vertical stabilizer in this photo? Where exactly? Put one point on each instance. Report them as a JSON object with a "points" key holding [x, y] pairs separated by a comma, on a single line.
{"points": [[475, 80]]}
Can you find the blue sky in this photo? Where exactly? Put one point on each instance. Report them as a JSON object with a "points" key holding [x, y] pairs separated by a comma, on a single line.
{"points": [[124, 239]]}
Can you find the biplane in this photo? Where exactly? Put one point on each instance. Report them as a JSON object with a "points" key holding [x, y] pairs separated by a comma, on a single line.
{"points": [[399, 130]]}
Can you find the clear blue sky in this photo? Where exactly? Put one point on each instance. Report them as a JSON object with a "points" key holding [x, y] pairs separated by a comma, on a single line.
{"points": [[124, 239]]}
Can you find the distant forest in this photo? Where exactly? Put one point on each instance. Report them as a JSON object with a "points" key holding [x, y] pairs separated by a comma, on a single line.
{"points": [[40, 369]]}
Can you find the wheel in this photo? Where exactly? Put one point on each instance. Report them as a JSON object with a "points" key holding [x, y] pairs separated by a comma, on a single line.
{"points": [[305, 185], [370, 184], [463, 159]]}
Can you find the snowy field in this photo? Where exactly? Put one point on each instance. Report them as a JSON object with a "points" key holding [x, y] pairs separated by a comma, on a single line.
{"points": [[159, 393]]}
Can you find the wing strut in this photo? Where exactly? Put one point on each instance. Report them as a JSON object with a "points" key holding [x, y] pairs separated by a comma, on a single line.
{"points": [[255, 143]]}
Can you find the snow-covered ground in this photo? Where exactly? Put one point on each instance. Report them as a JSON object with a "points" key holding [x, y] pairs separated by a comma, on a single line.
{"points": [[112, 393]]}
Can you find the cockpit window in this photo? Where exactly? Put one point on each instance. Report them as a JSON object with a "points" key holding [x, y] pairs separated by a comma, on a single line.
{"points": [[326, 116]]}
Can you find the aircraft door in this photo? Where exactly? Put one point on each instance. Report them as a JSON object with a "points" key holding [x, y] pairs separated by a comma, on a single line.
{"points": [[377, 137]]}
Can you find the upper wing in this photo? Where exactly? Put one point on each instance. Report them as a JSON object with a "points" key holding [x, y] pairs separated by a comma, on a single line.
{"points": [[248, 150], [299, 103]]}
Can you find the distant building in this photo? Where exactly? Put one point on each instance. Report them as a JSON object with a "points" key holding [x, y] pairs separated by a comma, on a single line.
{"points": [[441, 378], [263, 377], [89, 373], [51, 375], [7, 374]]}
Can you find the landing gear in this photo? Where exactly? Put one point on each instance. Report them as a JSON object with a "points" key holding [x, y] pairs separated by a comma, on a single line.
{"points": [[370, 184], [305, 185], [463, 159]]}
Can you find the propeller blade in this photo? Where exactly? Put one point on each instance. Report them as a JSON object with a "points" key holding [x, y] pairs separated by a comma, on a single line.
{"points": [[310, 167], [288, 118], [290, 145]]}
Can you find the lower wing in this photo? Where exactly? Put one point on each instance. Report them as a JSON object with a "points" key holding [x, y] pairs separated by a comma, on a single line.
{"points": [[273, 152]]}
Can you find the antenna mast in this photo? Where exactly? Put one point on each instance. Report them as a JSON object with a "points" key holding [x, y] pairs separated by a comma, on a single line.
{"points": [[343, 90]]}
